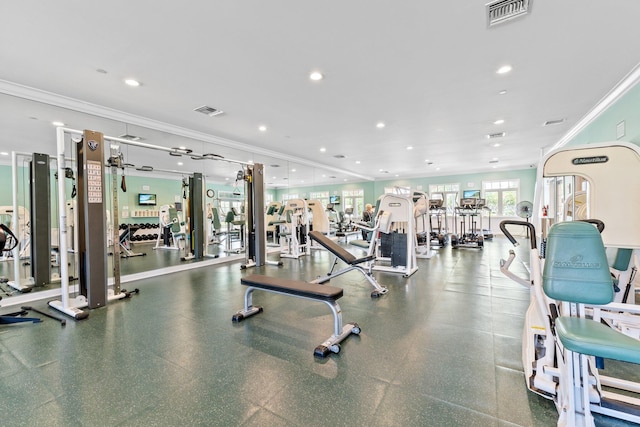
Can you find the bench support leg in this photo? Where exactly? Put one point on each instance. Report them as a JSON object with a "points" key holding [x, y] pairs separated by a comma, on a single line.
{"points": [[249, 308], [340, 332], [330, 345], [378, 289]]}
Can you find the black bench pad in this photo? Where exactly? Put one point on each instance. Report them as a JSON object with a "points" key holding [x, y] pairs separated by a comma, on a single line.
{"points": [[338, 250], [293, 287]]}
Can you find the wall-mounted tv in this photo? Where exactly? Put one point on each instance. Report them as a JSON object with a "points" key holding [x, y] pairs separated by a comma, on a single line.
{"points": [[146, 199], [334, 199], [471, 194]]}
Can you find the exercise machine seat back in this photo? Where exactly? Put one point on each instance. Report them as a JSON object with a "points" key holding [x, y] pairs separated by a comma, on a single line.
{"points": [[576, 271], [173, 217], [216, 219]]}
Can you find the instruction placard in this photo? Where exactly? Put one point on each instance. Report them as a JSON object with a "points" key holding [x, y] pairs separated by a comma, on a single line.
{"points": [[94, 181]]}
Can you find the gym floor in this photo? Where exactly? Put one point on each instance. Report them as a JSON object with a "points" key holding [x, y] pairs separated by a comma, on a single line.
{"points": [[442, 348]]}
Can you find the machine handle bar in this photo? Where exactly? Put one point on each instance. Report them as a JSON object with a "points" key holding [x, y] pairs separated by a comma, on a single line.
{"points": [[532, 231], [595, 222]]}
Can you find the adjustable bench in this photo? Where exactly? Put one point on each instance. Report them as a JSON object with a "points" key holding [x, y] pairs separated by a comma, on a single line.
{"points": [[304, 290], [352, 262]]}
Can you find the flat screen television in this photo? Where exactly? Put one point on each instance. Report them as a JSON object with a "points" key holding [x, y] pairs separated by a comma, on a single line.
{"points": [[471, 194], [146, 199], [334, 199]]}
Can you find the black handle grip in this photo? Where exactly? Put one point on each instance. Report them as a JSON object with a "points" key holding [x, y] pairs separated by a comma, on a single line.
{"points": [[532, 231]]}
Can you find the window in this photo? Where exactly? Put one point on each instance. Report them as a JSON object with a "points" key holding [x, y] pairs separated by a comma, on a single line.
{"points": [[501, 196], [353, 199], [403, 191], [323, 196], [448, 192], [286, 197]]}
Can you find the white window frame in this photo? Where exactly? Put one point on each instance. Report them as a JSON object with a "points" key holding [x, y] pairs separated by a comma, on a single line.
{"points": [[501, 186]]}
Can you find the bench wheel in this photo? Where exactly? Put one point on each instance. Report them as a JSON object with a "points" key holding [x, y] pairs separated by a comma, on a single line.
{"points": [[375, 294], [356, 329], [238, 317], [335, 348]]}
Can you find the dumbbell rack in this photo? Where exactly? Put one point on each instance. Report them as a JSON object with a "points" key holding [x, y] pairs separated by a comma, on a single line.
{"points": [[144, 232]]}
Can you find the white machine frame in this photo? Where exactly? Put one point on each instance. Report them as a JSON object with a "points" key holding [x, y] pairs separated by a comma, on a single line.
{"points": [[609, 201]]}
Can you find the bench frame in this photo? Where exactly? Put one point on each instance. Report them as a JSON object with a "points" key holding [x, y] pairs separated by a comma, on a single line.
{"points": [[340, 331], [364, 265]]}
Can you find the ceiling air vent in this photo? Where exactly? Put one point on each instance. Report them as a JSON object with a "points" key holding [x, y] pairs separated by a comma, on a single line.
{"points": [[339, 156], [553, 122], [500, 11], [496, 135], [493, 161], [209, 111]]}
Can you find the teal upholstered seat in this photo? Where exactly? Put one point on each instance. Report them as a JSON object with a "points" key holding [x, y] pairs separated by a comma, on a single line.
{"points": [[576, 270]]}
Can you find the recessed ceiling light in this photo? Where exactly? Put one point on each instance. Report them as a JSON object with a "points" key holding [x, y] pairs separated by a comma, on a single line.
{"points": [[322, 150], [357, 162], [293, 170], [57, 123], [502, 92], [316, 75], [132, 82], [495, 159], [345, 180], [180, 163], [4, 153], [226, 179], [437, 169], [397, 175], [409, 148], [504, 69], [380, 125], [427, 160], [262, 128], [498, 122], [497, 144], [324, 176]]}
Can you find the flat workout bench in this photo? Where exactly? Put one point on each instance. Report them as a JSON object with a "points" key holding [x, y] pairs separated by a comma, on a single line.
{"points": [[352, 262], [304, 290]]}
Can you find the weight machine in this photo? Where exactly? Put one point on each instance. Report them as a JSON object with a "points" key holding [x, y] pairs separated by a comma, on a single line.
{"points": [[578, 383]]}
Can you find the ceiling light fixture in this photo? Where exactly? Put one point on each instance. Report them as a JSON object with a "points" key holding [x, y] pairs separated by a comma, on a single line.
{"points": [[497, 144], [322, 150], [4, 153], [504, 69], [262, 128], [180, 163], [498, 122], [357, 162], [502, 92], [56, 123], [409, 148], [316, 76], [380, 125], [132, 82]]}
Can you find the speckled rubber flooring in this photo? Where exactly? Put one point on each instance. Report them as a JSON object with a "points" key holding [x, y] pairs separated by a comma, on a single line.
{"points": [[442, 348]]}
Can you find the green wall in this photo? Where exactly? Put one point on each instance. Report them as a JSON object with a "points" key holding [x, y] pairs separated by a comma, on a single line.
{"points": [[603, 128], [372, 190]]}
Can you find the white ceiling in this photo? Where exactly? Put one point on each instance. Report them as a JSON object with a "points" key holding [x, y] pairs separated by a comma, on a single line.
{"points": [[426, 69]]}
